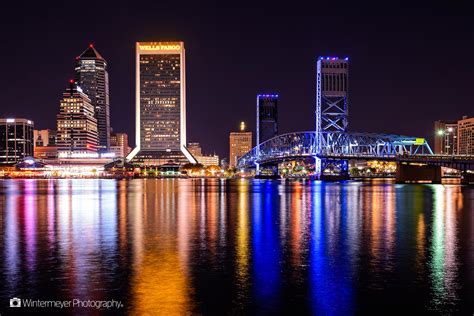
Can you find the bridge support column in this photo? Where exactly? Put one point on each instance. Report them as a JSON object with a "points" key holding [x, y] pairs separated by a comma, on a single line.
{"points": [[257, 169], [467, 178], [414, 172]]}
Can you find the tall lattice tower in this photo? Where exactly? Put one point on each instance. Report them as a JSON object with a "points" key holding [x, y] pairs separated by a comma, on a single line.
{"points": [[332, 97]]}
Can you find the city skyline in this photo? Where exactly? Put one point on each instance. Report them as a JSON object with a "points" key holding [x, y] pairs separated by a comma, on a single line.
{"points": [[376, 78], [232, 158]]}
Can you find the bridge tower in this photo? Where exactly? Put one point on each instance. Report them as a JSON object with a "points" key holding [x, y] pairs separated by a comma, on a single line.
{"points": [[332, 99], [332, 102]]}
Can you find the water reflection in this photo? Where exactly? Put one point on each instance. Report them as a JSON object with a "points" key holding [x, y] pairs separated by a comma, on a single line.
{"points": [[265, 247], [241, 246]]}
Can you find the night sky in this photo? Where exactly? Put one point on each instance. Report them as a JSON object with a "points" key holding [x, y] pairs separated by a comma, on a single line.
{"points": [[409, 65]]}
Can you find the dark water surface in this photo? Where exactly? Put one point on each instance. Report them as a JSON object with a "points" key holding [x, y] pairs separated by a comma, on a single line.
{"points": [[223, 247]]}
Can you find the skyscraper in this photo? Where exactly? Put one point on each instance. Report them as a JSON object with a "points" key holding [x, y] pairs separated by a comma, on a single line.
{"points": [[93, 78], [77, 126], [332, 99], [160, 110], [16, 140], [267, 117], [239, 144]]}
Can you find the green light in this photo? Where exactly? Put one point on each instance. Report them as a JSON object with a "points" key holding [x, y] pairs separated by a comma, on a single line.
{"points": [[440, 132]]}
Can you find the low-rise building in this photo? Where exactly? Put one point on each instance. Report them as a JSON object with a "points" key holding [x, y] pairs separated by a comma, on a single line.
{"points": [[119, 144], [208, 160]]}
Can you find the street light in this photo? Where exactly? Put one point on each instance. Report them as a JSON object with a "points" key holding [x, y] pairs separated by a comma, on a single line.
{"points": [[440, 132]]}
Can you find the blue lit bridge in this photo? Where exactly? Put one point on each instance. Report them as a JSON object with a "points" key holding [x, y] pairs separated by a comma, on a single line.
{"points": [[338, 148], [332, 145]]}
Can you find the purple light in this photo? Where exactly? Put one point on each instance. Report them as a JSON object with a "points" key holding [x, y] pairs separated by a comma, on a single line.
{"points": [[267, 95]]}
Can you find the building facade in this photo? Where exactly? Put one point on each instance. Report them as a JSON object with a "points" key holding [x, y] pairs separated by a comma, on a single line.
{"points": [[195, 149], [267, 117], [16, 140], [208, 160], [466, 136], [332, 94], [45, 144], [205, 160], [446, 137], [44, 137], [76, 124], [160, 109], [239, 144], [92, 77], [119, 144]]}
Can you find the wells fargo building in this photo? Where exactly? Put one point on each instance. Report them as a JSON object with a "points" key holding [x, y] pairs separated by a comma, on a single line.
{"points": [[160, 104]]}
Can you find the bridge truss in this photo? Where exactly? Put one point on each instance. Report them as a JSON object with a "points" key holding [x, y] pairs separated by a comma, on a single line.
{"points": [[333, 145]]}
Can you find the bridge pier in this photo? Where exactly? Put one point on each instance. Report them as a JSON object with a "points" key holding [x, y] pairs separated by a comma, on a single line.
{"points": [[467, 178], [415, 172]]}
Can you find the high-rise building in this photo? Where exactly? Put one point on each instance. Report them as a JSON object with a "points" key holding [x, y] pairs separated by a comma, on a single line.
{"points": [[16, 140], [466, 136], [239, 144], [267, 117], [93, 78], [160, 111], [119, 144], [332, 97], [76, 123], [446, 137]]}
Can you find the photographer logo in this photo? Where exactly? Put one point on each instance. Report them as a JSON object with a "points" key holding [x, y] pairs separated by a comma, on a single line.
{"points": [[15, 302]]}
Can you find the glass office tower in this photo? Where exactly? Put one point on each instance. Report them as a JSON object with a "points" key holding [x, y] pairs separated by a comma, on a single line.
{"points": [[160, 104], [92, 76]]}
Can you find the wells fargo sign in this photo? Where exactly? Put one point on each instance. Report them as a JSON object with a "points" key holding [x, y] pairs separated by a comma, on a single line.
{"points": [[159, 46]]}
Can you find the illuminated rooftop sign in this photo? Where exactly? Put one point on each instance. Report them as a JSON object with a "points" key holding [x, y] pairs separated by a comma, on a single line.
{"points": [[159, 46]]}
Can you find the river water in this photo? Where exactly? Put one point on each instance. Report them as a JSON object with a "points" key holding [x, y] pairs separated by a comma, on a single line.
{"points": [[238, 247]]}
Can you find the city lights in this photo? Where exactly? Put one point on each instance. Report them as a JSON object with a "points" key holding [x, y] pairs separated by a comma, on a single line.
{"points": [[205, 158]]}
